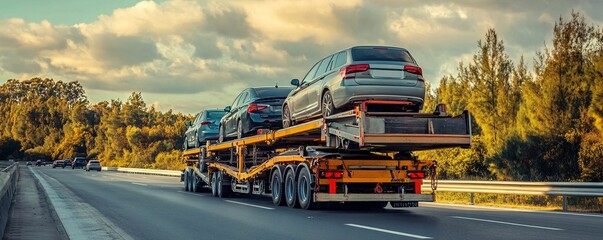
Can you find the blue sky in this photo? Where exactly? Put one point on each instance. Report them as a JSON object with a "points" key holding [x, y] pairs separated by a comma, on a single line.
{"points": [[191, 55]]}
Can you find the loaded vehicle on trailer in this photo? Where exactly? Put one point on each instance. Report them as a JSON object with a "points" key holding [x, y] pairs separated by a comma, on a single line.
{"points": [[361, 156]]}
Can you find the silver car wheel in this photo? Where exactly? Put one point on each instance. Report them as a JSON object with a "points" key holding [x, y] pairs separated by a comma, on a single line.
{"points": [[286, 117], [327, 105]]}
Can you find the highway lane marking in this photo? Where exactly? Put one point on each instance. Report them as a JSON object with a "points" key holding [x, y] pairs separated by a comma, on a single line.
{"points": [[508, 223], [452, 206], [388, 231], [141, 184], [191, 193], [250, 205]]}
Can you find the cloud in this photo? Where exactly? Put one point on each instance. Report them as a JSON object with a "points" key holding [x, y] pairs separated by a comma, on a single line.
{"points": [[115, 51]]}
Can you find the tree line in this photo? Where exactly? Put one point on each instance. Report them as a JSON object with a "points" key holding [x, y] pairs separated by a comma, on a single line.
{"points": [[540, 124], [48, 119]]}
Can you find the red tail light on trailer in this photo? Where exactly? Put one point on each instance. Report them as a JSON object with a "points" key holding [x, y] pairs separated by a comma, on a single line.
{"points": [[206, 123], [416, 174], [331, 174]]}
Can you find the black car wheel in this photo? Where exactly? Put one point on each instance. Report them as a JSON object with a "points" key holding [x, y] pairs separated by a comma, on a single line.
{"points": [[286, 117], [240, 133], [196, 141], [328, 108]]}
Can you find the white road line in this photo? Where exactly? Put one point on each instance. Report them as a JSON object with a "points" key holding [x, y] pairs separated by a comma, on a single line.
{"points": [[199, 195], [80, 219], [141, 184], [388, 231], [250, 205], [508, 223], [455, 206]]}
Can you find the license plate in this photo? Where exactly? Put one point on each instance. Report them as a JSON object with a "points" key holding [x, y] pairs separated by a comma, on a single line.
{"points": [[387, 74], [404, 204]]}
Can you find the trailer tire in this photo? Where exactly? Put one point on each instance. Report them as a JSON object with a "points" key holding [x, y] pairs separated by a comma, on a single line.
{"points": [[277, 187], [291, 188], [197, 183], [214, 184], [305, 189], [186, 180], [223, 190]]}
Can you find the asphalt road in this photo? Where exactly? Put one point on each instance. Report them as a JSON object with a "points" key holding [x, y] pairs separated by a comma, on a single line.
{"points": [[129, 206]]}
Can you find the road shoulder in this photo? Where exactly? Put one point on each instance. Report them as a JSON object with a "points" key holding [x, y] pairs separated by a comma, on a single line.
{"points": [[31, 215]]}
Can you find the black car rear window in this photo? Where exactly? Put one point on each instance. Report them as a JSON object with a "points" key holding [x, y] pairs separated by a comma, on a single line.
{"points": [[280, 92], [215, 114], [381, 54]]}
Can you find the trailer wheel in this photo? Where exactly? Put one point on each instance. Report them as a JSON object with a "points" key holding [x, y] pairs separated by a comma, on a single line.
{"points": [[197, 183], [291, 189], [186, 180], [305, 190], [214, 184], [277, 187], [223, 191]]}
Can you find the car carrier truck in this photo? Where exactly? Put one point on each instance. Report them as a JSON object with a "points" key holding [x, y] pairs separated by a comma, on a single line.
{"points": [[359, 157]]}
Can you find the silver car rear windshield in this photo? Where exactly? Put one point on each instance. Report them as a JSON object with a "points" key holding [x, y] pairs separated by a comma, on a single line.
{"points": [[381, 54]]}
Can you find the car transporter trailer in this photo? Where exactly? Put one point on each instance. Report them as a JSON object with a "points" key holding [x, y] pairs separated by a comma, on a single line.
{"points": [[362, 157]]}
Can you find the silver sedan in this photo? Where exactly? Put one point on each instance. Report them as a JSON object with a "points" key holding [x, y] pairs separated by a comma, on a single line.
{"points": [[356, 74]]}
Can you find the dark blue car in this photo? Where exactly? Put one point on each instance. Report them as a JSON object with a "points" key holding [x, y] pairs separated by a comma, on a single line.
{"points": [[254, 108], [205, 127]]}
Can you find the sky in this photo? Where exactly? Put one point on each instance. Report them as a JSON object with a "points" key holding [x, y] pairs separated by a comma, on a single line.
{"points": [[192, 55]]}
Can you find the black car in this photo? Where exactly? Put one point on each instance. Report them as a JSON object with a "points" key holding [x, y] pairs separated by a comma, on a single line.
{"points": [[79, 162], [205, 127], [66, 163], [254, 108]]}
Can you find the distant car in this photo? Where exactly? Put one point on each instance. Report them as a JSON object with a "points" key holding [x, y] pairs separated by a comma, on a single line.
{"points": [[39, 162], [79, 162], [57, 163], [356, 74], [28, 164], [93, 165], [205, 127], [66, 163], [254, 108]]}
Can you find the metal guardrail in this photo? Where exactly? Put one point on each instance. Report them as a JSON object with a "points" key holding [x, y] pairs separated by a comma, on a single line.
{"points": [[169, 173], [8, 187], [564, 189]]}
